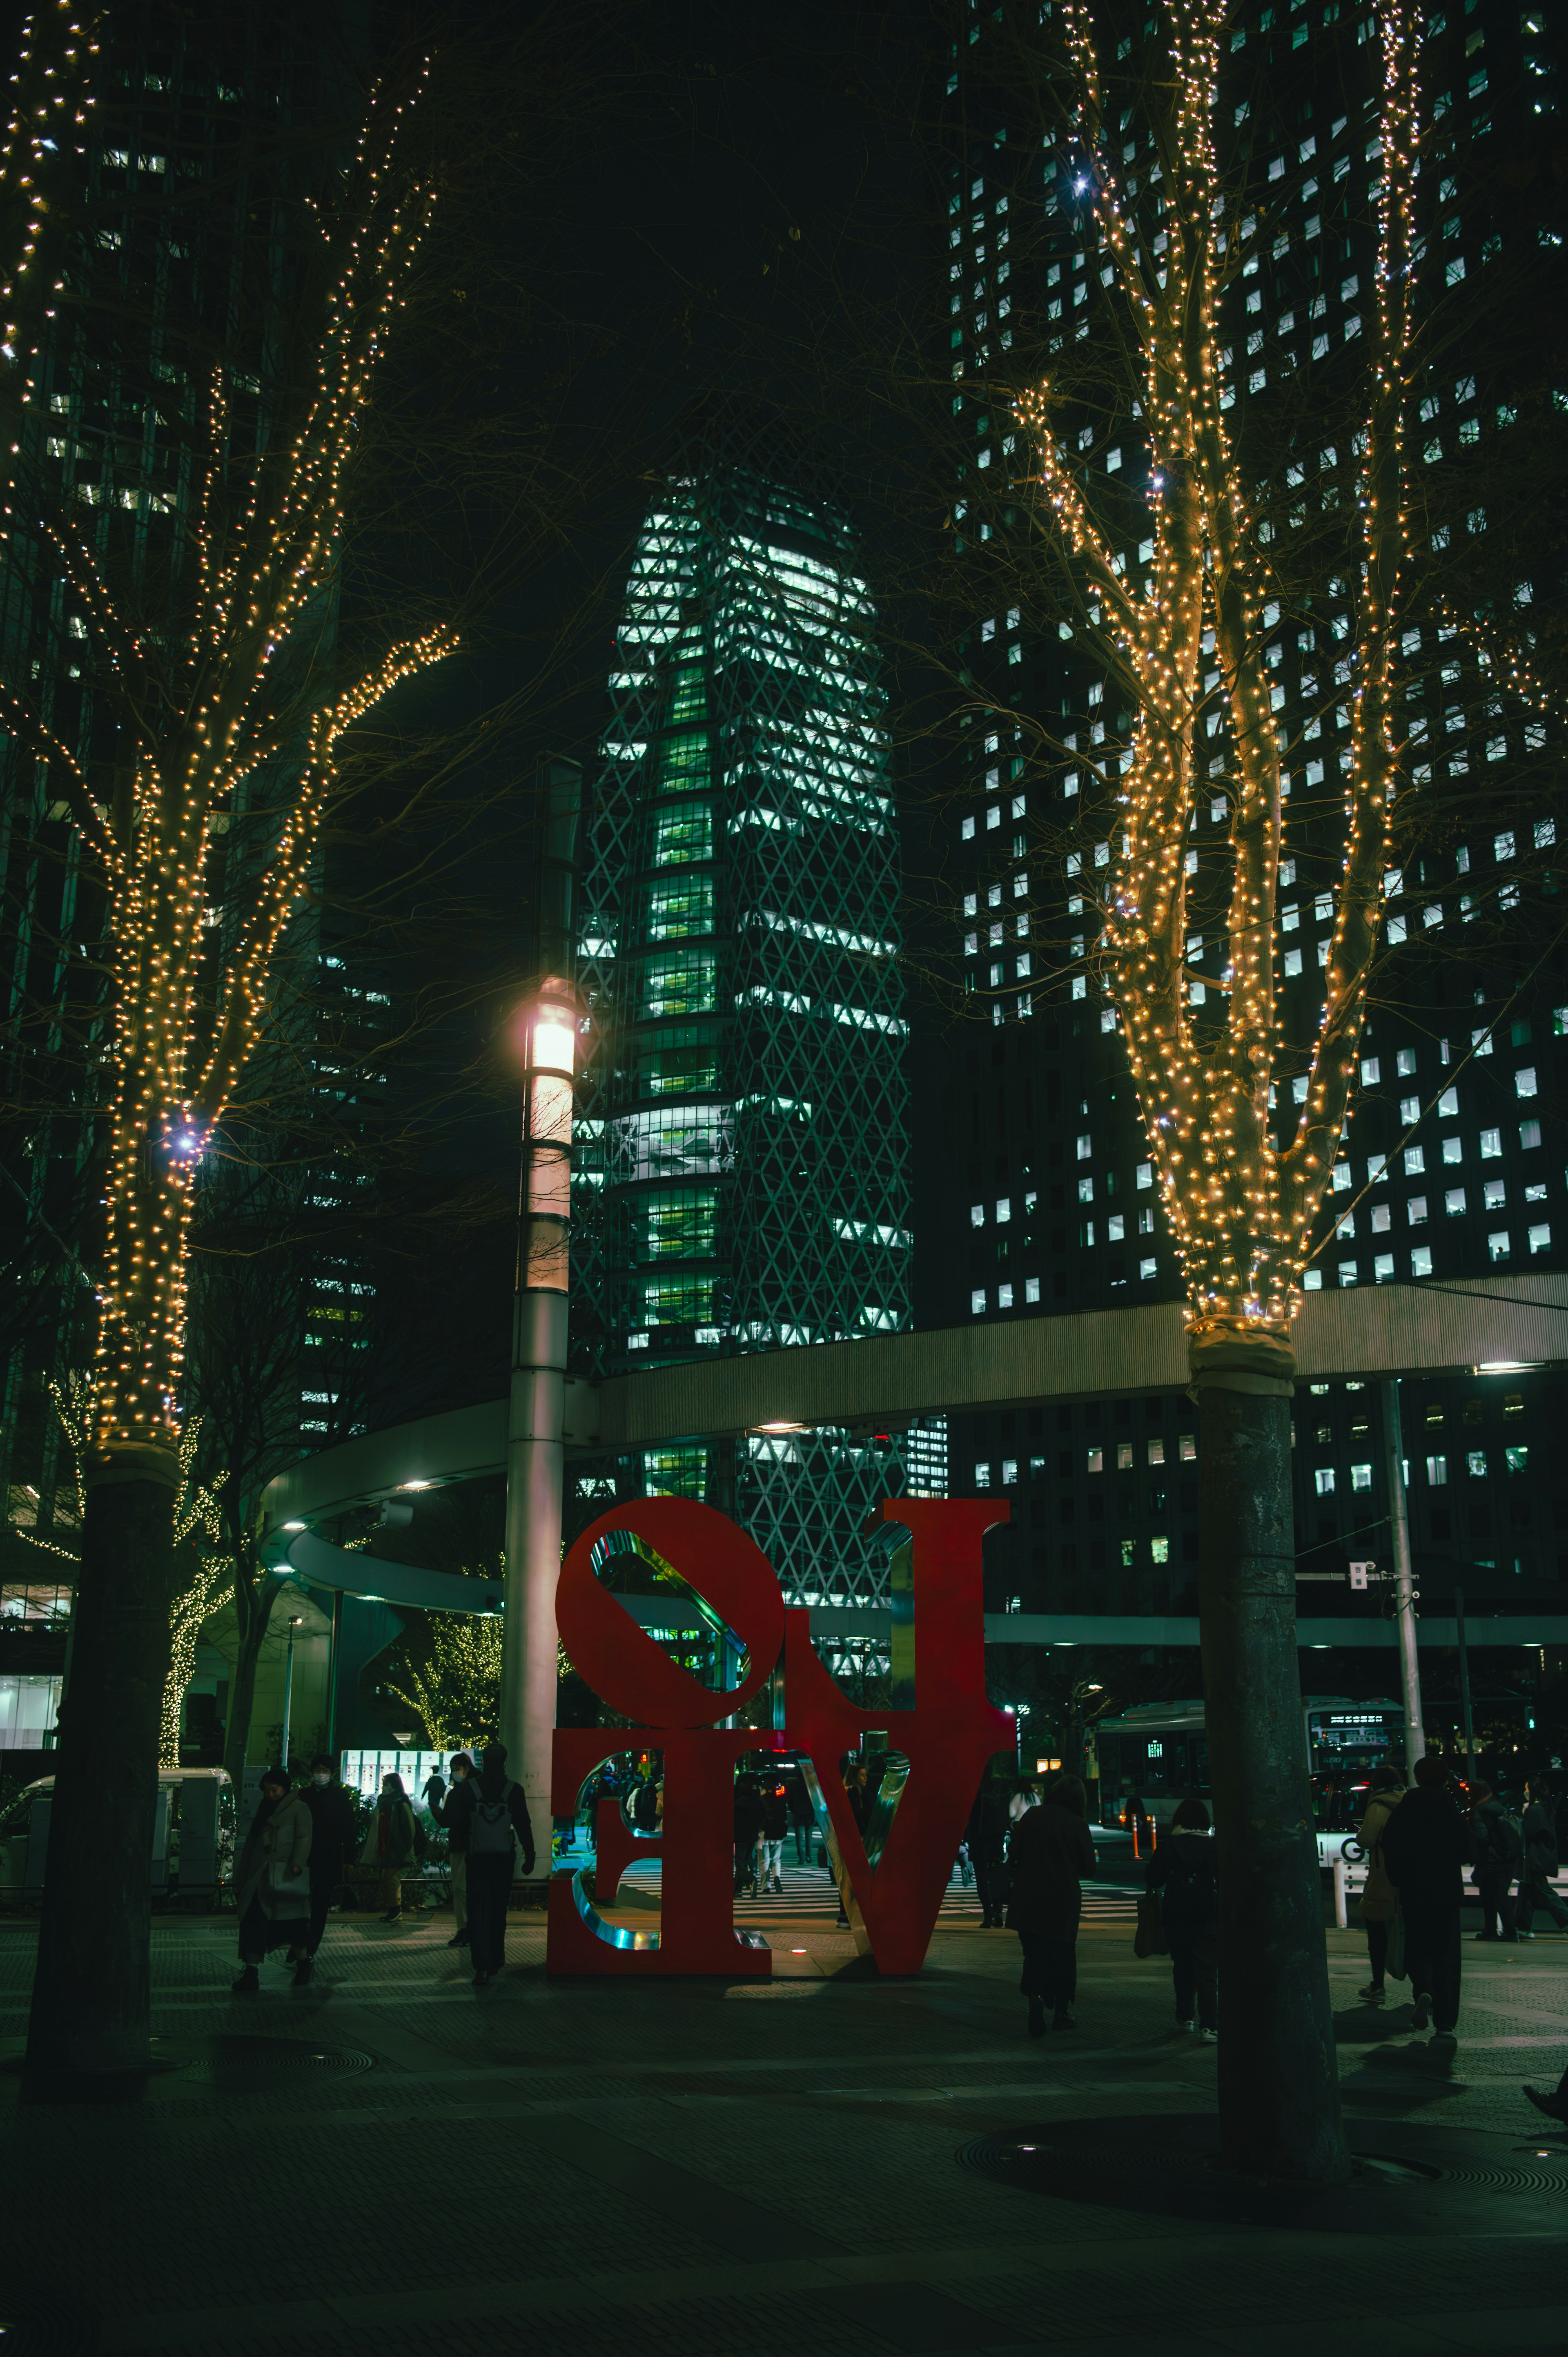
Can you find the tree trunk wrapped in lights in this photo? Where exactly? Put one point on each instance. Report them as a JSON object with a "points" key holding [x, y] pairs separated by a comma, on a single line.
{"points": [[1240, 1204], [219, 683]]}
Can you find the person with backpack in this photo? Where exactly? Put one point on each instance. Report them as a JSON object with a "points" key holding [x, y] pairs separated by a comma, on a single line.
{"points": [[1379, 1897], [1185, 1868], [489, 1814], [1498, 1850], [1539, 1827]]}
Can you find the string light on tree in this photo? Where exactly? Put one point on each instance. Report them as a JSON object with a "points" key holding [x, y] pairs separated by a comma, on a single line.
{"points": [[1241, 1207]]}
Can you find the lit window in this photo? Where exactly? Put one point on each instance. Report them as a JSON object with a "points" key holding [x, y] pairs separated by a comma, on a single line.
{"points": [[1124, 1456], [977, 1302], [1144, 1176], [1491, 1145], [1324, 1478], [1156, 1452], [1420, 1261], [1437, 1472], [1524, 1081], [1160, 1550], [977, 1215], [1004, 1297], [1361, 1477], [1540, 1239], [1346, 1272], [1146, 1269], [1516, 1459], [1097, 1460], [1383, 1268], [1453, 1202], [1416, 1211], [1476, 1461], [983, 1477], [1186, 1447], [1086, 1190], [1497, 1245], [1009, 1471], [1004, 1210]]}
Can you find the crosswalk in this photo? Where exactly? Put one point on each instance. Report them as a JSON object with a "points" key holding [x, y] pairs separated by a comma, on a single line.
{"points": [[810, 1897]]}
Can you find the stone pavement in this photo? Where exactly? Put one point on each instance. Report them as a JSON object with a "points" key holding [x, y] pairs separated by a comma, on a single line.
{"points": [[392, 2162]]}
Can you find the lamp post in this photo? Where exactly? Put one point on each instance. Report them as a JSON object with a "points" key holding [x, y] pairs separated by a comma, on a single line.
{"points": [[536, 1414], [298, 1621]]}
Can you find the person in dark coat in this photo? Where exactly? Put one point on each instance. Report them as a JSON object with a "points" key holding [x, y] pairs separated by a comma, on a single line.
{"points": [[1540, 1829], [1425, 1847], [1049, 1854], [455, 1822], [334, 1832], [490, 1815], [1498, 1848], [747, 1831], [272, 1888], [986, 1838], [803, 1817], [775, 1804], [1185, 1868]]}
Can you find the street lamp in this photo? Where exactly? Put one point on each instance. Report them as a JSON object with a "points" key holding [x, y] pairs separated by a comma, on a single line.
{"points": [[296, 1622], [536, 1416]]}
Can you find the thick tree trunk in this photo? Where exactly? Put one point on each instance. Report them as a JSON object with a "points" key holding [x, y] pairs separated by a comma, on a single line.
{"points": [[1279, 2088], [90, 1988]]}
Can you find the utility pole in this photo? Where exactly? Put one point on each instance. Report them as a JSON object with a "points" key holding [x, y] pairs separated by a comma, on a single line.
{"points": [[536, 1416], [1404, 1583], [1465, 1685]]}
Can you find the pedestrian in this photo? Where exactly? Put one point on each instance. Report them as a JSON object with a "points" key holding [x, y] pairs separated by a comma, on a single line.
{"points": [[775, 1825], [986, 1837], [1185, 1870], [803, 1817], [455, 1822], [1379, 1900], [1499, 1851], [1048, 1853], [492, 1817], [1540, 1831], [1555, 2104], [389, 1843], [748, 1832], [272, 1888], [435, 1792], [1426, 1847], [334, 1825]]}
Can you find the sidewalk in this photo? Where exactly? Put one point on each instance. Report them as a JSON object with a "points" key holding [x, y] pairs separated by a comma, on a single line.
{"points": [[392, 2162]]}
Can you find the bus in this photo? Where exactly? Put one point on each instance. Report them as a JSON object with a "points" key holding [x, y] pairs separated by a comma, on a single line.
{"points": [[1155, 1755]]}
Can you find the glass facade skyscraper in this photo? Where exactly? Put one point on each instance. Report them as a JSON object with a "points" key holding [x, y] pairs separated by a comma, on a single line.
{"points": [[744, 1156]]}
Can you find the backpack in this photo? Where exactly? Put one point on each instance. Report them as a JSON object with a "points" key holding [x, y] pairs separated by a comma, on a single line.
{"points": [[1504, 1839], [489, 1827]]}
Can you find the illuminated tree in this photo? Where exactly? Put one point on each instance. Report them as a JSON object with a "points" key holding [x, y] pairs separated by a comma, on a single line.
{"points": [[224, 690], [456, 1691], [1241, 1197]]}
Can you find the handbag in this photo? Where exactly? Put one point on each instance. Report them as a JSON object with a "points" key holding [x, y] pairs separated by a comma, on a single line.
{"points": [[1149, 1940], [288, 1894]]}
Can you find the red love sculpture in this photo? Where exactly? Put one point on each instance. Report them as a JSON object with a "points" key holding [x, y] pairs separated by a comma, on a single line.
{"points": [[946, 1733]]}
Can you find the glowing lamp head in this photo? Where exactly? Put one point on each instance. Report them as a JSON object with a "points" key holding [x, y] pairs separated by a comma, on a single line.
{"points": [[553, 1040]]}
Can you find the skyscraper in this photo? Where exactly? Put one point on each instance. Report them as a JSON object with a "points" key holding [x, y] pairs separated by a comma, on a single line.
{"points": [[744, 1178]]}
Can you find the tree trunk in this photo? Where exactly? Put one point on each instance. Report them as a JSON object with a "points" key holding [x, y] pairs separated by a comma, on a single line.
{"points": [[1279, 2086], [254, 1616], [91, 1987]]}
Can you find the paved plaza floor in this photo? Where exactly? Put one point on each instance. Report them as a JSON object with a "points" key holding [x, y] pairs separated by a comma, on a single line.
{"points": [[393, 2162]]}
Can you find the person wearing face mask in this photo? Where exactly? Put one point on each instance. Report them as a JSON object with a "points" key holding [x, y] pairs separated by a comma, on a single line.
{"points": [[334, 1824], [456, 1821]]}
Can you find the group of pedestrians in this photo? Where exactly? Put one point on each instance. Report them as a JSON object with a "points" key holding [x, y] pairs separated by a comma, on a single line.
{"points": [[292, 1860], [1418, 1844]]}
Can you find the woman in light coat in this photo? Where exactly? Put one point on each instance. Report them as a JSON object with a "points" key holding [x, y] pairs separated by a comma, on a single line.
{"points": [[1379, 1897], [389, 1843], [272, 1888]]}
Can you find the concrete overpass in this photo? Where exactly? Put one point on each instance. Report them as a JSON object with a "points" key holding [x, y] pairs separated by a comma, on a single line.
{"points": [[1489, 1324]]}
